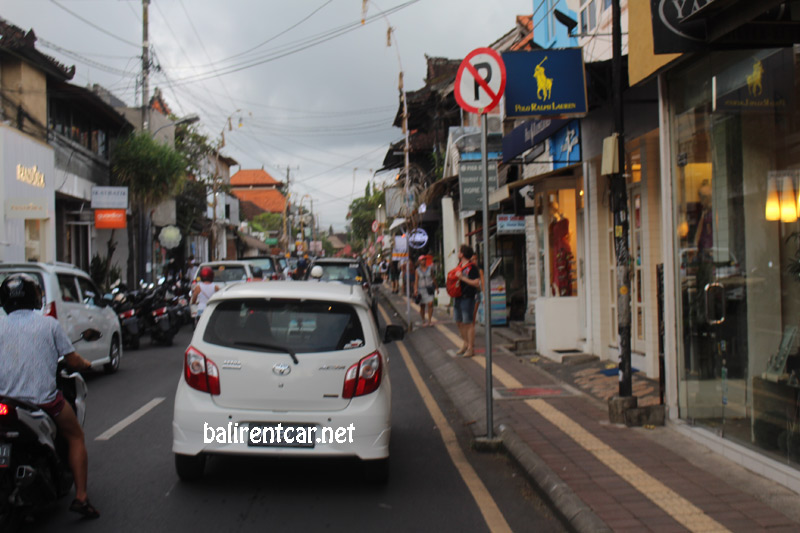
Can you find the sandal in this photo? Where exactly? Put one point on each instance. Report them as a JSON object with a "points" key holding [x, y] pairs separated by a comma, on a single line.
{"points": [[469, 353], [462, 350], [84, 508]]}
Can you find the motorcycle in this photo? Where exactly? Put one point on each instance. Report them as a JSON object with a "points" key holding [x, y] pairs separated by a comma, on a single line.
{"points": [[129, 321], [157, 318], [34, 469]]}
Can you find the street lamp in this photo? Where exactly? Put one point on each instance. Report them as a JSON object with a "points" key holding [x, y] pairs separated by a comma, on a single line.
{"points": [[189, 119]]}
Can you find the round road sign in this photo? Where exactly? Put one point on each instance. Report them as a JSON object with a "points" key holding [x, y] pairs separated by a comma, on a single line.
{"points": [[480, 81], [375, 226]]}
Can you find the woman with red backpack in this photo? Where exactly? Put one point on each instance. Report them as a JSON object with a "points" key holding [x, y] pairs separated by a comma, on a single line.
{"points": [[464, 305]]}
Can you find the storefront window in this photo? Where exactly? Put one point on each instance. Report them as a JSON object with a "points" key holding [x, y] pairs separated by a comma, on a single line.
{"points": [[734, 132]]}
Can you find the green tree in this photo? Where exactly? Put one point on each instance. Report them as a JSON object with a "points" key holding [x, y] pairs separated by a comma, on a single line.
{"points": [[361, 214], [267, 222], [153, 172]]}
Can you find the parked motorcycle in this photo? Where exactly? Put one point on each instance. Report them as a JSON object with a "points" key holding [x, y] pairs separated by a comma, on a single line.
{"points": [[156, 317], [129, 321], [34, 469]]}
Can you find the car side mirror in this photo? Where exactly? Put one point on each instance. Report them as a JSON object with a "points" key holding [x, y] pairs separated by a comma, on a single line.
{"points": [[393, 333]]}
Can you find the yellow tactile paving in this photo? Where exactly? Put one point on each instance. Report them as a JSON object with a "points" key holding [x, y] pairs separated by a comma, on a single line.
{"points": [[678, 507]]}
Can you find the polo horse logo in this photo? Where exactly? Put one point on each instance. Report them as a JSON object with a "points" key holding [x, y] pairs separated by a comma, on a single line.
{"points": [[543, 83], [754, 80]]}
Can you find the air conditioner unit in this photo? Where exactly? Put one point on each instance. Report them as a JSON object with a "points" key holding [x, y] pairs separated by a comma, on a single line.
{"points": [[494, 125]]}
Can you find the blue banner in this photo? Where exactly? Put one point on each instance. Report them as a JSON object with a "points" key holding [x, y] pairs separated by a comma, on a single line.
{"points": [[545, 83], [529, 135]]}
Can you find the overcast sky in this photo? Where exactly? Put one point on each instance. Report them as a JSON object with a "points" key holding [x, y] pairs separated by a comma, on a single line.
{"points": [[317, 91]]}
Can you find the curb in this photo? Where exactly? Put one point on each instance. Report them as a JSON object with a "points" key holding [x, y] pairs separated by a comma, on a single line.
{"points": [[470, 401]]}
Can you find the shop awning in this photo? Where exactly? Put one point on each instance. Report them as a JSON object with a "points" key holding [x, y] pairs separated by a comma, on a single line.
{"points": [[396, 223], [504, 192]]}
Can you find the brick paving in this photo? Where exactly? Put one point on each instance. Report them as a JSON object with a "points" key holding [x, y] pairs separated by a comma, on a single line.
{"points": [[606, 486]]}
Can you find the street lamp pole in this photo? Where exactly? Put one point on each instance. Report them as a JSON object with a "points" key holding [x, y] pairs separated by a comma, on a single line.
{"points": [[215, 187]]}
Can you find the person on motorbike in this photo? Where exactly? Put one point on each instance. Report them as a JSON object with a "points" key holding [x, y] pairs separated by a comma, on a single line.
{"points": [[204, 290], [30, 346]]}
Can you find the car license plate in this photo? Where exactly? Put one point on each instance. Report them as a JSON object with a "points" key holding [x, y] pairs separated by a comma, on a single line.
{"points": [[5, 455], [275, 435]]}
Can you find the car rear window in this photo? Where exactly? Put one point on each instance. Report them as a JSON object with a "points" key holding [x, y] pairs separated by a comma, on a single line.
{"points": [[35, 275], [348, 273], [265, 263], [304, 326], [225, 273]]}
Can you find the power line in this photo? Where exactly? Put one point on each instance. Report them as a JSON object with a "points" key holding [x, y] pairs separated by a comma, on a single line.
{"points": [[85, 60], [309, 43], [95, 26]]}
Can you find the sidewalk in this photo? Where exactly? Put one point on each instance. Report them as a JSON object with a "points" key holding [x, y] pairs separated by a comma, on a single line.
{"points": [[599, 476]]}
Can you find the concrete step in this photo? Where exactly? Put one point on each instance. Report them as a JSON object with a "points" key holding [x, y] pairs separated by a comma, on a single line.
{"points": [[578, 359]]}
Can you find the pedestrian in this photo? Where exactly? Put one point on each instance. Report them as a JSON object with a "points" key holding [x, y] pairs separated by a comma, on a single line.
{"points": [[425, 288], [383, 269], [464, 305], [192, 271], [300, 270], [394, 276], [203, 291], [30, 346]]}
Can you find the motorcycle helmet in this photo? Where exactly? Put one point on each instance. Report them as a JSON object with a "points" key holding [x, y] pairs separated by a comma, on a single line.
{"points": [[20, 291], [302, 264], [206, 274], [316, 272]]}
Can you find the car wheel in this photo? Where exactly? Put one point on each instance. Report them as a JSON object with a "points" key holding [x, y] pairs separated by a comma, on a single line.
{"points": [[377, 471], [190, 467], [114, 354]]}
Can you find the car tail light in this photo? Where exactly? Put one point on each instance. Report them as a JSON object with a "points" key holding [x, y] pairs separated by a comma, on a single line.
{"points": [[159, 312], [50, 310], [276, 276], [201, 373], [127, 314], [8, 413], [363, 377]]}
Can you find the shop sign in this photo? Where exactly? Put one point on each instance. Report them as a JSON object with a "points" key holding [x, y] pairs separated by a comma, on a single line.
{"points": [[682, 26], [528, 135], [109, 197], [110, 219], [757, 84], [272, 241], [470, 176], [548, 82], [26, 209], [418, 239], [510, 224], [30, 175], [400, 250]]}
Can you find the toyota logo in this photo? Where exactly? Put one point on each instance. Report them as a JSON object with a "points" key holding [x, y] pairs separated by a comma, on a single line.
{"points": [[281, 369]]}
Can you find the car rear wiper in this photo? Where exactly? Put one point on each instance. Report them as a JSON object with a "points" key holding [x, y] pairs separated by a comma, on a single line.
{"points": [[269, 347]]}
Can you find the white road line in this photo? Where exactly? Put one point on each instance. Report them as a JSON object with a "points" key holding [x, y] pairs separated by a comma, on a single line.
{"points": [[130, 419]]}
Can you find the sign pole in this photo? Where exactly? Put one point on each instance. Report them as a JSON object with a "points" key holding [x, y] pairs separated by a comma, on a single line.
{"points": [[487, 307]]}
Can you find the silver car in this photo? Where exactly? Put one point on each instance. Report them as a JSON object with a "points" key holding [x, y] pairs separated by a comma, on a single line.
{"points": [[71, 297]]}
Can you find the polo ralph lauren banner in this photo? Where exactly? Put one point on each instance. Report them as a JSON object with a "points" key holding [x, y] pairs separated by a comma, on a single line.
{"points": [[545, 83]]}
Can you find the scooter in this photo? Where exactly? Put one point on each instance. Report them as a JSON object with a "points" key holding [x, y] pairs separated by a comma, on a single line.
{"points": [[129, 322], [34, 471]]}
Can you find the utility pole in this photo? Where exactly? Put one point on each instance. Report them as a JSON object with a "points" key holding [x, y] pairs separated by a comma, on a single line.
{"points": [[146, 240], [145, 66], [619, 205]]}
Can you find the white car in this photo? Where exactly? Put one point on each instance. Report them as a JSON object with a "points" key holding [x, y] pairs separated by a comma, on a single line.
{"points": [[228, 272], [285, 369], [70, 296]]}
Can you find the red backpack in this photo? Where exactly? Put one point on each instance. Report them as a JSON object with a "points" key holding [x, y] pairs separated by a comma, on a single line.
{"points": [[453, 283]]}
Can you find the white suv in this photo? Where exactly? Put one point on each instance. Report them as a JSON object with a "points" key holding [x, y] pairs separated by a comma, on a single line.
{"points": [[288, 369], [71, 297]]}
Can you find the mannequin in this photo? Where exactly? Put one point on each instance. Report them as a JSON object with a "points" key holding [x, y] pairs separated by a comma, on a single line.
{"points": [[560, 253]]}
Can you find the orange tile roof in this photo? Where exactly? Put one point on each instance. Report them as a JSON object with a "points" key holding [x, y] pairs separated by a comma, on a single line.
{"points": [[524, 22], [255, 201], [258, 176]]}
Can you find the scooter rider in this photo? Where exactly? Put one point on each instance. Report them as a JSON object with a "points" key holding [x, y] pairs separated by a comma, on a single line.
{"points": [[30, 345]]}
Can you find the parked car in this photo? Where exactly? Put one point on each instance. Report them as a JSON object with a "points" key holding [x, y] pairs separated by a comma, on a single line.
{"points": [[71, 297], [348, 271], [230, 272], [269, 265], [301, 357]]}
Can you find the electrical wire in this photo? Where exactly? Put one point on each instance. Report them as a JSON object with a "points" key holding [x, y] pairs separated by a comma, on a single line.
{"points": [[309, 43], [95, 26]]}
